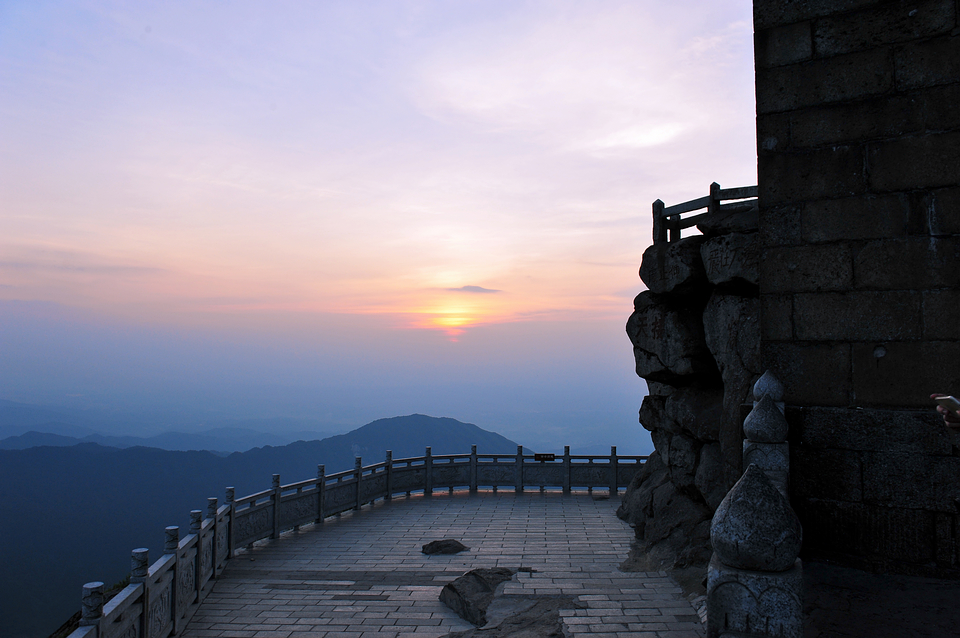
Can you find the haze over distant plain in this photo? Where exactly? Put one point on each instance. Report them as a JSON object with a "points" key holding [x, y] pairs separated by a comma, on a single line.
{"points": [[348, 211]]}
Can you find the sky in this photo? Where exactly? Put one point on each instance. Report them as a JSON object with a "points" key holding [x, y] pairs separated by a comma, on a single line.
{"points": [[351, 210]]}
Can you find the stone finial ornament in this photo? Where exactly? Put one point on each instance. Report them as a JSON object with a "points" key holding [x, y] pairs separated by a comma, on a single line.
{"points": [[766, 423], [768, 384], [755, 528]]}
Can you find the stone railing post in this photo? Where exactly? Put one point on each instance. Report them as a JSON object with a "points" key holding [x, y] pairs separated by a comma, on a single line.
{"points": [[388, 468], [428, 473], [171, 545], [755, 580], [231, 495], [276, 507], [196, 523], [519, 478], [566, 469], [358, 473], [91, 605], [613, 471], [215, 537], [473, 469], [321, 493], [139, 570]]}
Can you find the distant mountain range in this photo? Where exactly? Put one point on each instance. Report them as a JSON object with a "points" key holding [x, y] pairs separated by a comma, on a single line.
{"points": [[71, 514], [24, 426]]}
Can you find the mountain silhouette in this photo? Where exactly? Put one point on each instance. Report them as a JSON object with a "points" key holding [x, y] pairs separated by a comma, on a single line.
{"points": [[72, 514]]}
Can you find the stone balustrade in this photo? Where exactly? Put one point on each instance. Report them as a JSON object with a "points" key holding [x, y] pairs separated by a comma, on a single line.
{"points": [[162, 597]]}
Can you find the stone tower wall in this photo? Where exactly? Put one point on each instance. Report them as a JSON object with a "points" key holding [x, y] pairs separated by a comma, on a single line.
{"points": [[858, 134]]}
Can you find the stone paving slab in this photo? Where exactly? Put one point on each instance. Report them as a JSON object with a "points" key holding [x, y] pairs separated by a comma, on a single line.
{"points": [[362, 575]]}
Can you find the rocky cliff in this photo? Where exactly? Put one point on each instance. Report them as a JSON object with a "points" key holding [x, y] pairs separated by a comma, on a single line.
{"points": [[696, 340]]}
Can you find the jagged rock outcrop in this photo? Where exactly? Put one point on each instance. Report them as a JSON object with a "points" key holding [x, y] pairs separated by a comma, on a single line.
{"points": [[696, 341]]}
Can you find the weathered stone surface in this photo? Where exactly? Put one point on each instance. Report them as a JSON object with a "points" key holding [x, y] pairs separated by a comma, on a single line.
{"points": [[765, 423], [754, 528], [920, 432], [672, 528], [471, 594], [674, 267], [651, 413], [768, 384], [446, 546], [732, 259], [731, 222], [681, 455], [732, 332], [740, 601], [709, 478], [668, 341], [694, 411]]}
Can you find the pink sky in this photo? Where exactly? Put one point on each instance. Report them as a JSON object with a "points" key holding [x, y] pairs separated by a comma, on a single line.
{"points": [[342, 176]]}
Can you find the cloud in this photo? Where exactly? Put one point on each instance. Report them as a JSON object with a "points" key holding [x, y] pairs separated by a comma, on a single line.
{"points": [[479, 289]]}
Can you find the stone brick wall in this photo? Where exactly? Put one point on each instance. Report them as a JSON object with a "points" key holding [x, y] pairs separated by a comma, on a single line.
{"points": [[858, 135]]}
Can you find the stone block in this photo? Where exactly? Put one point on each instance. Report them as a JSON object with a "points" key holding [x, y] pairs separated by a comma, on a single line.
{"points": [[854, 76], [674, 267], [905, 373], [883, 24], [731, 259], [857, 121], [919, 161], [908, 263], [811, 268], [776, 317], [940, 105], [783, 45], [773, 13], [869, 217], [857, 316], [709, 479], [943, 211], [837, 529], [911, 481], [826, 173], [813, 374], [918, 432], [773, 133], [940, 309], [927, 63], [748, 603], [829, 474], [780, 225], [668, 341]]}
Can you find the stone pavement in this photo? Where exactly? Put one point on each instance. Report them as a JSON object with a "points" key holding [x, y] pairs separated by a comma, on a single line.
{"points": [[363, 576]]}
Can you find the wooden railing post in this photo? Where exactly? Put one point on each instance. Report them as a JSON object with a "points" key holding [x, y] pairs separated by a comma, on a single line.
{"points": [[276, 506], [321, 493], [231, 538], [91, 605], [659, 227], [428, 471], [714, 206], [613, 471], [566, 469], [388, 468], [519, 478], [473, 469], [358, 472]]}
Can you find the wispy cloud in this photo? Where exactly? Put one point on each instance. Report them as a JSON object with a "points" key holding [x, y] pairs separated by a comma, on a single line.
{"points": [[473, 289]]}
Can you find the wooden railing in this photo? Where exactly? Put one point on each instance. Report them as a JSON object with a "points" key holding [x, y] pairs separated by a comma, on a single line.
{"points": [[161, 598], [669, 218]]}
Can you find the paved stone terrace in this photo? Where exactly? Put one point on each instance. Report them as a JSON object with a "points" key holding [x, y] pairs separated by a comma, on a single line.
{"points": [[363, 575]]}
